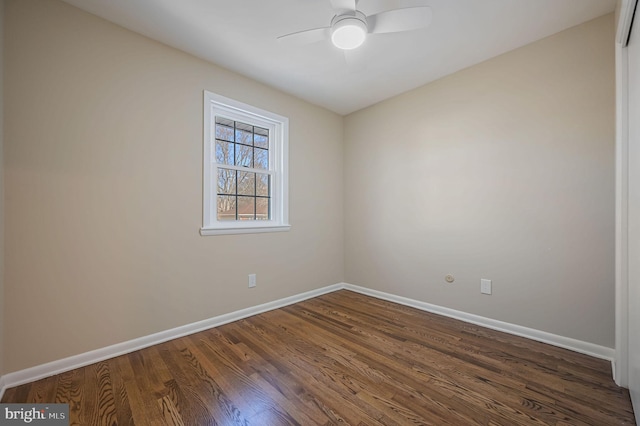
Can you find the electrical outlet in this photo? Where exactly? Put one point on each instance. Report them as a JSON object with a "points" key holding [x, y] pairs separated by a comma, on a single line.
{"points": [[485, 286], [252, 280]]}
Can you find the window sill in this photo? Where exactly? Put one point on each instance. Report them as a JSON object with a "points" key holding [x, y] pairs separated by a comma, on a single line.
{"points": [[244, 230]]}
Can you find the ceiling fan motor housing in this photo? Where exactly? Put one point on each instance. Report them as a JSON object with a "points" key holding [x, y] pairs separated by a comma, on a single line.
{"points": [[349, 29]]}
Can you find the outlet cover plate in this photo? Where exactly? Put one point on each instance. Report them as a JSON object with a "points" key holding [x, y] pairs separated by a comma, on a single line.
{"points": [[485, 286]]}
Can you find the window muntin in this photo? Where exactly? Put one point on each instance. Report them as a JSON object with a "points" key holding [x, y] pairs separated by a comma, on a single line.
{"points": [[245, 182]]}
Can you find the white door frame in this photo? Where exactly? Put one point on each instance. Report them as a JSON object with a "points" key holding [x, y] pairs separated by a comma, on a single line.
{"points": [[621, 364]]}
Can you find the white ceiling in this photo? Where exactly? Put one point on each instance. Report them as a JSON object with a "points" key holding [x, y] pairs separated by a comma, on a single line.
{"points": [[241, 35]]}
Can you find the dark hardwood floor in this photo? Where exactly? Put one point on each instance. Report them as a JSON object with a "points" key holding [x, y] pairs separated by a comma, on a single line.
{"points": [[342, 358]]}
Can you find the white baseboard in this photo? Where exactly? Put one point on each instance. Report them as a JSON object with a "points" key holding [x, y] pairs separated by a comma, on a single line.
{"points": [[76, 361], [3, 386], [579, 346]]}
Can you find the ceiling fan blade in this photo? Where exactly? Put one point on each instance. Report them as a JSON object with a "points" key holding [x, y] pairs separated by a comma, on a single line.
{"points": [[344, 4], [302, 38], [397, 20]]}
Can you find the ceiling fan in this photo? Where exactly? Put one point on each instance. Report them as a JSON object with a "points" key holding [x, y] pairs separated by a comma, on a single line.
{"points": [[349, 27]]}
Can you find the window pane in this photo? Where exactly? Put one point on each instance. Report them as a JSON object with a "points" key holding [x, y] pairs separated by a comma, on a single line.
{"points": [[224, 129], [246, 183], [262, 208], [261, 138], [246, 208], [243, 155], [226, 207], [226, 181], [244, 133], [262, 184], [261, 159], [224, 153]]}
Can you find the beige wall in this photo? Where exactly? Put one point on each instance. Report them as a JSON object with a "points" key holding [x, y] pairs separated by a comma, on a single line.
{"points": [[504, 171], [103, 173]]}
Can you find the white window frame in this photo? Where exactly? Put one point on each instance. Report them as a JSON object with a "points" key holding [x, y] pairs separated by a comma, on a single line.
{"points": [[217, 105]]}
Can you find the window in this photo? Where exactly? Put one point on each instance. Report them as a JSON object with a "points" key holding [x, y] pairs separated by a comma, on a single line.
{"points": [[245, 168]]}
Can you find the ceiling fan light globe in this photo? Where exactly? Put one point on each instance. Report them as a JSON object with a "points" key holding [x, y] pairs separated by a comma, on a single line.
{"points": [[348, 33]]}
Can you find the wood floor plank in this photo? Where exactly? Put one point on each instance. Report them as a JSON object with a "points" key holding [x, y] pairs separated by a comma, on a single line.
{"points": [[341, 358], [121, 397], [142, 402], [322, 391], [187, 394], [43, 391], [285, 392], [170, 412]]}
